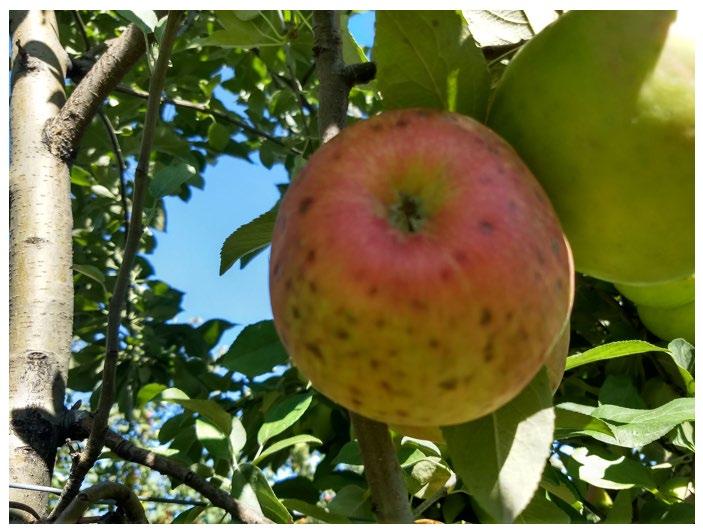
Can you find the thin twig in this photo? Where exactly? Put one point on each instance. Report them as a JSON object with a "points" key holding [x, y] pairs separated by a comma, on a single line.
{"points": [[121, 494], [82, 29], [94, 445], [128, 451], [381, 467], [201, 107], [17, 505], [121, 166]]}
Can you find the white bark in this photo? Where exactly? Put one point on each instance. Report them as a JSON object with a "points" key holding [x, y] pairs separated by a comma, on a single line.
{"points": [[41, 286]]}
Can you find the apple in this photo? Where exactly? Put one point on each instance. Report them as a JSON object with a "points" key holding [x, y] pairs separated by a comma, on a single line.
{"points": [[555, 364], [668, 294], [600, 105], [418, 272], [669, 323]]}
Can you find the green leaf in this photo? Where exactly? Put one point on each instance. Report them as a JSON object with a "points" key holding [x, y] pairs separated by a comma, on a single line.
{"points": [[189, 515], [621, 511], [214, 441], [501, 457], [238, 437], [81, 177], [218, 136], [352, 501], [542, 510], [285, 443], [93, 272], [282, 416], [349, 454], [168, 180], [611, 472], [351, 51], [428, 476], [144, 20], [250, 486], [238, 33], [209, 409], [314, 511], [572, 423], [610, 351], [248, 238], [148, 392], [257, 350], [635, 428], [428, 59]]}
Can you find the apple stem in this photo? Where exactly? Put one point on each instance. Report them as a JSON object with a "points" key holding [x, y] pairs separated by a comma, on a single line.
{"points": [[383, 473]]}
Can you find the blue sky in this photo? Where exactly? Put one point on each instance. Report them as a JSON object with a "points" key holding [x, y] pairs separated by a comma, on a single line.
{"points": [[187, 254]]}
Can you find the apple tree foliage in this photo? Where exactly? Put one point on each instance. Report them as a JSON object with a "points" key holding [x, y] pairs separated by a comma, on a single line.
{"points": [[614, 445]]}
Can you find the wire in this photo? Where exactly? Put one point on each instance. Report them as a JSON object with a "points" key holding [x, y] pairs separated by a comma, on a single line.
{"points": [[53, 490]]}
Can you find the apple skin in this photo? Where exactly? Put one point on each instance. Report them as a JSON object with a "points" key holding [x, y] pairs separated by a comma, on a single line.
{"points": [[600, 105], [669, 294], [669, 323], [555, 364], [418, 272]]}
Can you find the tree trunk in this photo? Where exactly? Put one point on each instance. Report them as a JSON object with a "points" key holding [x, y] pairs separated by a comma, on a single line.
{"points": [[41, 280]]}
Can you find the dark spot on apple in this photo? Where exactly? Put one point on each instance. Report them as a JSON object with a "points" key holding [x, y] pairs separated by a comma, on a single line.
{"points": [[509, 315], [350, 317], [418, 304], [486, 317], [313, 286], [512, 205], [409, 330], [460, 256], [401, 123], [356, 401], [375, 364], [295, 311], [522, 333], [315, 350], [372, 291], [556, 247], [380, 323], [467, 379], [435, 23], [386, 386], [305, 204], [486, 226], [375, 126], [342, 334], [433, 343], [422, 113], [540, 256], [289, 284], [559, 284], [277, 269], [392, 353], [310, 257], [488, 350], [449, 383], [401, 413], [445, 273]]}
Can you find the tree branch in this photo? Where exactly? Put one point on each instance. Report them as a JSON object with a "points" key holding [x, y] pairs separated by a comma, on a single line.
{"points": [[95, 442], [202, 107], [83, 425], [123, 496], [63, 133], [383, 473]]}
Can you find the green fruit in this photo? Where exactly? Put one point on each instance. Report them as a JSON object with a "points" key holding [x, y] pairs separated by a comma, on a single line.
{"points": [[418, 272], [600, 105], [669, 323], [555, 363], [669, 294]]}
